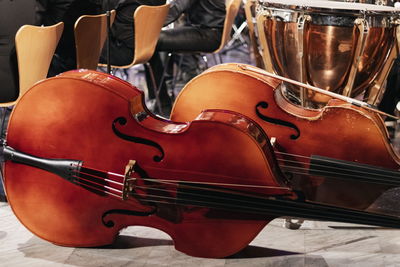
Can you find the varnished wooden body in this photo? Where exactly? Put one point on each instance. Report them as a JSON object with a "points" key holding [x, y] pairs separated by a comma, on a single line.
{"points": [[338, 130], [71, 117]]}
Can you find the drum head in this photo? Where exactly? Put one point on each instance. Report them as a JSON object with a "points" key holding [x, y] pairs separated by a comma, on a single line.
{"points": [[329, 5]]}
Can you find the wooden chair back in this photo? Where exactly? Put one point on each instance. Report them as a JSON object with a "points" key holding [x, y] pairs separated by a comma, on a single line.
{"points": [[90, 34], [148, 21], [261, 19], [232, 8], [35, 46], [249, 9]]}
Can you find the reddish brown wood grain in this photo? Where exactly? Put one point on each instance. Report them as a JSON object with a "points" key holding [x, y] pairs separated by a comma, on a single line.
{"points": [[71, 117], [338, 130]]}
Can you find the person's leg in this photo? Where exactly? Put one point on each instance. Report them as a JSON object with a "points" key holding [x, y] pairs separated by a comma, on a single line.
{"points": [[189, 65], [122, 37], [157, 66], [60, 64], [189, 39], [120, 54]]}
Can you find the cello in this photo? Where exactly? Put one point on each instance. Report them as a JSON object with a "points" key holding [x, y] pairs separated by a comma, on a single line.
{"points": [[84, 158], [327, 153]]}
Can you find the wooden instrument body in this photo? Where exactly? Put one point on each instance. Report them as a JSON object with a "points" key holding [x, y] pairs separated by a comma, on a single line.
{"points": [[72, 117], [338, 131]]}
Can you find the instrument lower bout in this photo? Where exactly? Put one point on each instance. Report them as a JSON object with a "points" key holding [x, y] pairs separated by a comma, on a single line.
{"points": [[334, 132], [78, 181], [90, 204]]}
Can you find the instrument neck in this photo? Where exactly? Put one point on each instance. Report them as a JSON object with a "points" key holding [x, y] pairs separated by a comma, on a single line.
{"points": [[225, 199], [328, 167], [219, 198]]}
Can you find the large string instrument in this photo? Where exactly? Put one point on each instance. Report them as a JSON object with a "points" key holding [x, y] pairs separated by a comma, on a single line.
{"points": [[312, 50], [84, 159], [339, 154]]}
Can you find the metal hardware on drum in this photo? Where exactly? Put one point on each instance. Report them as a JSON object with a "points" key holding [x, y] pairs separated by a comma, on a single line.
{"points": [[345, 48], [374, 2], [349, 100]]}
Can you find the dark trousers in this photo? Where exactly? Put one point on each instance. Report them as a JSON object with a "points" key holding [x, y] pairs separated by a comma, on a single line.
{"points": [[189, 39]]}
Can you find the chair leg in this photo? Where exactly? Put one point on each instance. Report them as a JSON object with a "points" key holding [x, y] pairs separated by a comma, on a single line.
{"points": [[154, 87], [177, 74], [6, 111], [220, 58], [3, 129], [237, 36], [126, 73], [164, 74], [217, 58], [205, 60]]}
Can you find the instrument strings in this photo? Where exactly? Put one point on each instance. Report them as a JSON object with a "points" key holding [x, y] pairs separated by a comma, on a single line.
{"points": [[288, 166], [99, 185], [226, 199], [377, 175], [100, 181]]}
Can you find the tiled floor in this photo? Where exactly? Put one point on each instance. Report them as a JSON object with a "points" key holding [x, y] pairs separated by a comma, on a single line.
{"points": [[314, 244]]}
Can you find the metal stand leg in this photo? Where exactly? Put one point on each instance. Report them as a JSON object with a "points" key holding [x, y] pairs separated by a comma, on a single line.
{"points": [[238, 34]]}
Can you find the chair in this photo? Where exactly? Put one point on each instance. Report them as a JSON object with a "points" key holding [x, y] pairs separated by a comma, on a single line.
{"points": [[261, 19], [90, 34], [148, 21], [238, 32], [250, 12], [237, 35], [232, 9], [35, 46]]}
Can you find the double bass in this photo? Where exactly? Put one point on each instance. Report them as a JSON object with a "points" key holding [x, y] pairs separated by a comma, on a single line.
{"points": [[331, 154], [84, 158]]}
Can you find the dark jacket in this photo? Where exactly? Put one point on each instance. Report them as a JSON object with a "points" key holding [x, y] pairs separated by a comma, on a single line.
{"points": [[13, 14], [50, 12], [16, 13], [203, 13], [68, 11], [123, 30], [118, 4]]}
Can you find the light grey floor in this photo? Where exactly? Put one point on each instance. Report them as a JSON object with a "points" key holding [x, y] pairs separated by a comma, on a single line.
{"points": [[314, 244]]}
